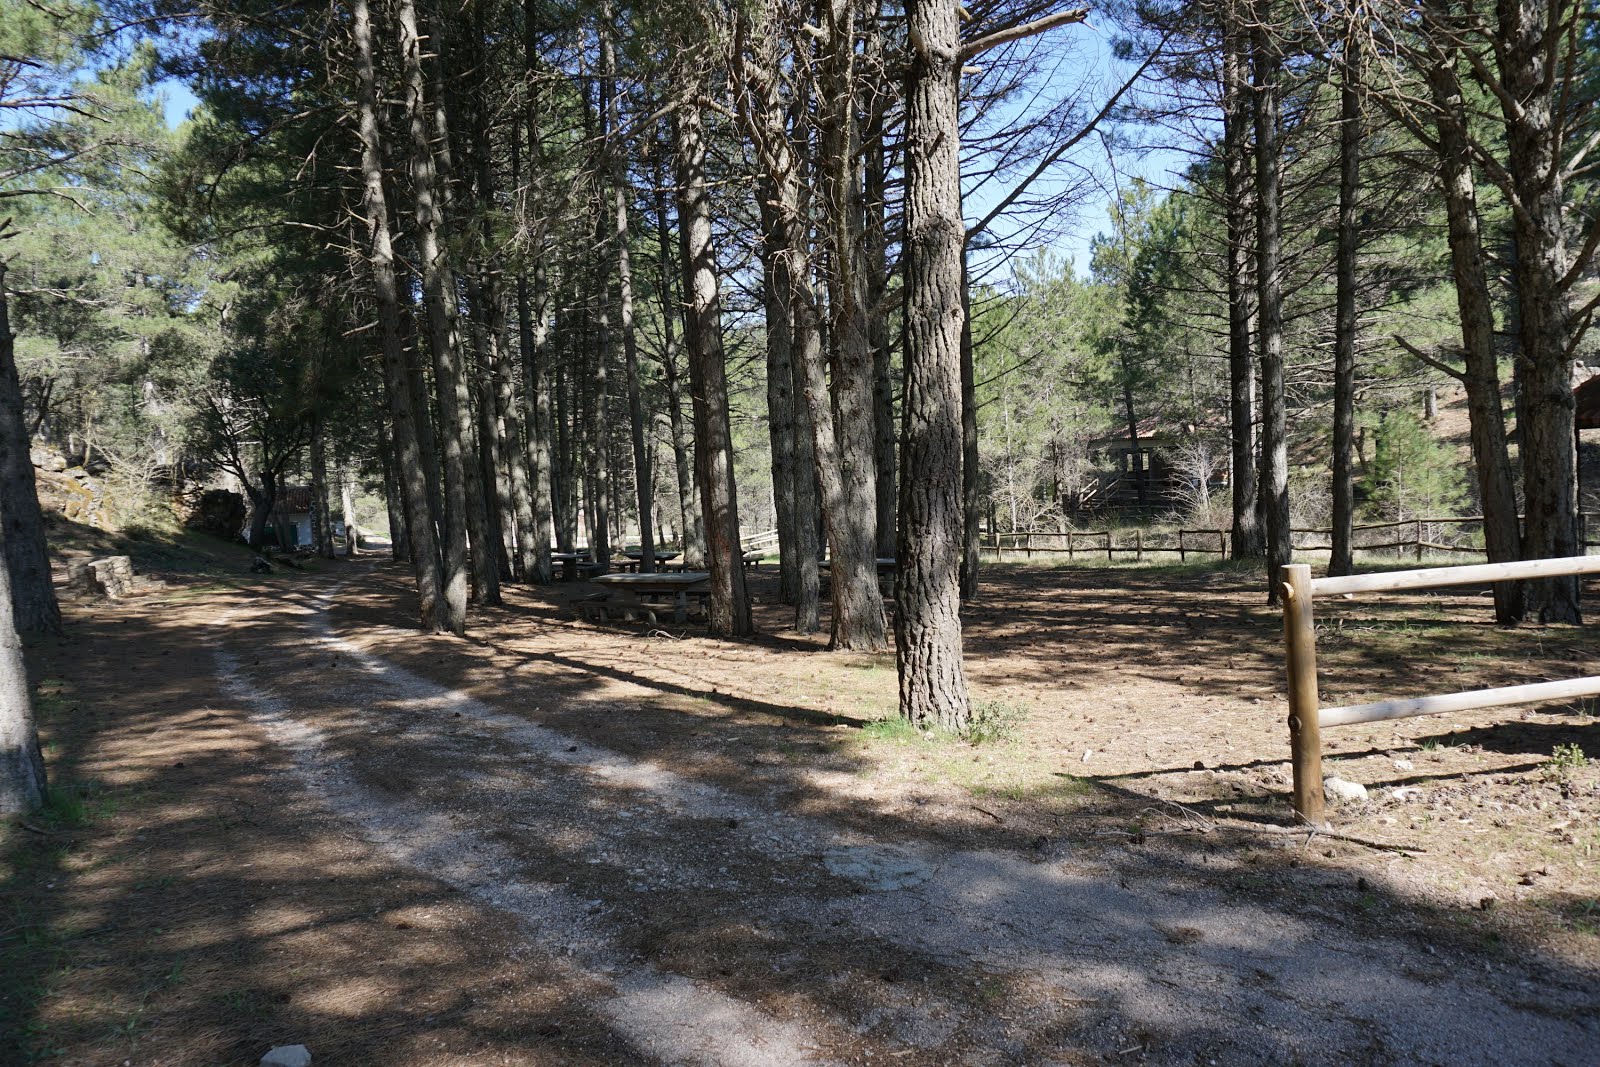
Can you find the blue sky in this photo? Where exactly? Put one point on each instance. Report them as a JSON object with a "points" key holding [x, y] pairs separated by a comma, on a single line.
{"points": [[176, 101]]}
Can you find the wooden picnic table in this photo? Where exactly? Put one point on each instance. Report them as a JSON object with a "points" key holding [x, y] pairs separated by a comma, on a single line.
{"points": [[677, 586], [569, 565], [632, 561]]}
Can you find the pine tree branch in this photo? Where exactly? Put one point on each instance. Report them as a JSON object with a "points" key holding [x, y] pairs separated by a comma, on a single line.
{"points": [[1017, 33]]}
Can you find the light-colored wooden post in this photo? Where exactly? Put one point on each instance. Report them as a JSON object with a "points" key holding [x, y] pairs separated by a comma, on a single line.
{"points": [[1419, 540], [1138, 545], [1070, 556], [1181, 557], [1305, 732]]}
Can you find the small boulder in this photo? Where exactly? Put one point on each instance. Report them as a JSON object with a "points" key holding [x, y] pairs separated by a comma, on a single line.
{"points": [[287, 1056], [1342, 791]]}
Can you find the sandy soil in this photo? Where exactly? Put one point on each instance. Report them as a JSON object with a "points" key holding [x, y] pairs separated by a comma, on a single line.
{"points": [[560, 842]]}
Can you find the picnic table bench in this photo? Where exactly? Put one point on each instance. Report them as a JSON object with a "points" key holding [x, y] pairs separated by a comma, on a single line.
{"points": [[643, 592]]}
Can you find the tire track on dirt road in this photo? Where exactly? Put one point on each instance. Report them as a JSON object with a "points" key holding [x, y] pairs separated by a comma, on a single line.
{"points": [[1196, 971]]}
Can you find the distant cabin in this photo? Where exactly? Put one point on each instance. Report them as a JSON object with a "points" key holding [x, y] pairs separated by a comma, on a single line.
{"points": [[1118, 463], [292, 515]]}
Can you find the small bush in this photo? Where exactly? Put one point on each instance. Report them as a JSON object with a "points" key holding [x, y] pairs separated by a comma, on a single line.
{"points": [[994, 720], [1564, 759]]}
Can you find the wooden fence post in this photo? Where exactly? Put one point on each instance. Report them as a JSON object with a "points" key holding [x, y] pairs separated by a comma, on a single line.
{"points": [[1138, 545], [1305, 731], [1181, 557], [1070, 556], [1222, 544], [1419, 540], [1108, 546]]}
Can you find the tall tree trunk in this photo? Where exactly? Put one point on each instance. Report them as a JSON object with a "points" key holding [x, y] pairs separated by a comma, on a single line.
{"points": [[855, 547], [780, 386], [347, 512], [533, 324], [422, 405], [1247, 534], [1344, 330], [455, 407], [1269, 298], [971, 459], [691, 524], [27, 557], [23, 785], [796, 383], [394, 500], [875, 187], [1136, 455], [617, 149], [321, 513], [597, 412], [807, 517], [532, 315], [499, 509], [719, 504], [1527, 48], [933, 684], [1481, 374], [408, 461], [565, 478]]}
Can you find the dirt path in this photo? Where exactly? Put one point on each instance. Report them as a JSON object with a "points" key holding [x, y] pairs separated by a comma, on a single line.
{"points": [[703, 924]]}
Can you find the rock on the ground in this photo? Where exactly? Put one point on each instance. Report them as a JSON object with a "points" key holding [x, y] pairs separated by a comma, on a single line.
{"points": [[287, 1056], [877, 867], [1342, 791]]}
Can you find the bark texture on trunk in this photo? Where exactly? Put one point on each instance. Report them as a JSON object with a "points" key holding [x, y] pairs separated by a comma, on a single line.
{"points": [[347, 512], [933, 685], [1481, 375], [394, 503], [1528, 51], [690, 522], [1269, 299], [1344, 330], [858, 621], [971, 482], [780, 387], [875, 206], [462, 479], [630, 346], [27, 557], [1239, 192], [408, 461], [321, 513], [533, 315], [719, 504], [22, 774]]}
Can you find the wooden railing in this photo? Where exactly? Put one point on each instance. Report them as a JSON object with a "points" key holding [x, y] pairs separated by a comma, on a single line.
{"points": [[759, 541], [1306, 715], [1424, 538]]}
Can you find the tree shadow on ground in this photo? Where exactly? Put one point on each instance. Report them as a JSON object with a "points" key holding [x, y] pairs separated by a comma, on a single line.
{"points": [[281, 927]]}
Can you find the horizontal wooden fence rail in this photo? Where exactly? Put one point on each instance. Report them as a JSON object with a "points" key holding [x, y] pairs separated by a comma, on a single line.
{"points": [[1421, 540], [1307, 717]]}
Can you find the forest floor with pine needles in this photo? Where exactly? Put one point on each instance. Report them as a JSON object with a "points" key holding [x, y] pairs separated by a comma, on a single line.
{"points": [[282, 816]]}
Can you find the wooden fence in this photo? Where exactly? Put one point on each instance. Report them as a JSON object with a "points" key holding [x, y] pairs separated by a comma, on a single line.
{"points": [[1415, 537], [1307, 717]]}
